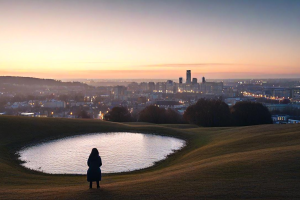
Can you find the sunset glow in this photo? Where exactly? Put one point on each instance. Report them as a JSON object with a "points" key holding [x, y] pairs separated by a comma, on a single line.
{"points": [[150, 39]]}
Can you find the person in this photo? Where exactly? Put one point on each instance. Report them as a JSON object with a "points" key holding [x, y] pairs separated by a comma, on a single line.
{"points": [[94, 172]]}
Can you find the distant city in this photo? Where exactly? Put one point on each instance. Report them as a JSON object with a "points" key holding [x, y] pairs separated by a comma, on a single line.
{"points": [[51, 98]]}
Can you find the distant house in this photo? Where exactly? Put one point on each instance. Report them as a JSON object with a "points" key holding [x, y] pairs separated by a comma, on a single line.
{"points": [[30, 114], [280, 119], [16, 105], [77, 104], [142, 100], [53, 104], [294, 121], [232, 101], [281, 107], [27, 114], [168, 104], [278, 107]]}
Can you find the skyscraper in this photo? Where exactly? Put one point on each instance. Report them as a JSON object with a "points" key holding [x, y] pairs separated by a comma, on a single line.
{"points": [[180, 80], [151, 86], [203, 79], [195, 80], [188, 76]]}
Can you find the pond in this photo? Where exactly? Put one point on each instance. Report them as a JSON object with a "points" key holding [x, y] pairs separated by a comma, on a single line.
{"points": [[120, 152]]}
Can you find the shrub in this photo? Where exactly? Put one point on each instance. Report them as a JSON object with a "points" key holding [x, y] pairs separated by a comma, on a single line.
{"points": [[118, 114], [154, 114], [208, 113], [250, 113]]}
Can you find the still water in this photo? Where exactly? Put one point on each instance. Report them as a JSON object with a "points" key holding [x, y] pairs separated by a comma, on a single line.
{"points": [[120, 152]]}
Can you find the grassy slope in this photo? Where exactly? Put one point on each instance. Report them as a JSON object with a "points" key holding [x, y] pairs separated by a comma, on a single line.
{"points": [[240, 162]]}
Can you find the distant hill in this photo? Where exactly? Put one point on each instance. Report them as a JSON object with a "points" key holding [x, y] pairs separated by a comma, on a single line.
{"points": [[15, 80]]}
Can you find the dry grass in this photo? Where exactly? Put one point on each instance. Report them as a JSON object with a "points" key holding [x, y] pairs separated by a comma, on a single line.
{"points": [[258, 162]]}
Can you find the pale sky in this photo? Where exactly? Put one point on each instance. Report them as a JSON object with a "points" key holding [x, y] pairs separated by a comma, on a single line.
{"points": [[150, 38]]}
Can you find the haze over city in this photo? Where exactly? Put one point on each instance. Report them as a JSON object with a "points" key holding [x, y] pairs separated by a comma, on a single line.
{"points": [[150, 39]]}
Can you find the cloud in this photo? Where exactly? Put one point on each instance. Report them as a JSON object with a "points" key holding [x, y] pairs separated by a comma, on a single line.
{"points": [[179, 65], [188, 64]]}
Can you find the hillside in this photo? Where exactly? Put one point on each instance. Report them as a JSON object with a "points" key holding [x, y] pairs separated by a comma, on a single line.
{"points": [[29, 81], [258, 162]]}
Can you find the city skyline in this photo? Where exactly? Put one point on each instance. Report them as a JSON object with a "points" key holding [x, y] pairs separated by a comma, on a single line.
{"points": [[150, 39]]}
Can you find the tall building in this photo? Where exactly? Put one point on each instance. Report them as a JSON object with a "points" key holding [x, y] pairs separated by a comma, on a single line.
{"points": [[180, 80], [169, 82], [151, 86], [160, 87], [195, 80], [133, 86], [169, 86], [143, 86], [203, 79], [188, 76], [119, 92], [212, 88]]}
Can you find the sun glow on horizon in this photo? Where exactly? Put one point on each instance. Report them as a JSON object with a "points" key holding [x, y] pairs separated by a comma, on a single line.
{"points": [[106, 39]]}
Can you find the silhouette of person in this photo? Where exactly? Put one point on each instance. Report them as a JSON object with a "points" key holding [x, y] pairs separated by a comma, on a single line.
{"points": [[94, 172]]}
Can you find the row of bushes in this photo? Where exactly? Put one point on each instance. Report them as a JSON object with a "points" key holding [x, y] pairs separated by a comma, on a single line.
{"points": [[215, 113], [207, 113], [151, 114]]}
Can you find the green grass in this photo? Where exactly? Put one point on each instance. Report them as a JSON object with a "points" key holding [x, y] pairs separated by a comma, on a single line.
{"points": [[258, 162]]}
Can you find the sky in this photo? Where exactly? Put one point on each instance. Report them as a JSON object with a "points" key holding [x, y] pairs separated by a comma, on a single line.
{"points": [[111, 39]]}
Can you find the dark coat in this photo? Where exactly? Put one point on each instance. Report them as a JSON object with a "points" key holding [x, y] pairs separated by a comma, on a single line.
{"points": [[94, 171]]}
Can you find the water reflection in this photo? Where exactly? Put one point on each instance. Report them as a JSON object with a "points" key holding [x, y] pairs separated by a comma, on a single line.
{"points": [[119, 152]]}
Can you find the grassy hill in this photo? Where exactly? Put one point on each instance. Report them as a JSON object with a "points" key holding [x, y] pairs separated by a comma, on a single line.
{"points": [[258, 162], [30, 81]]}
